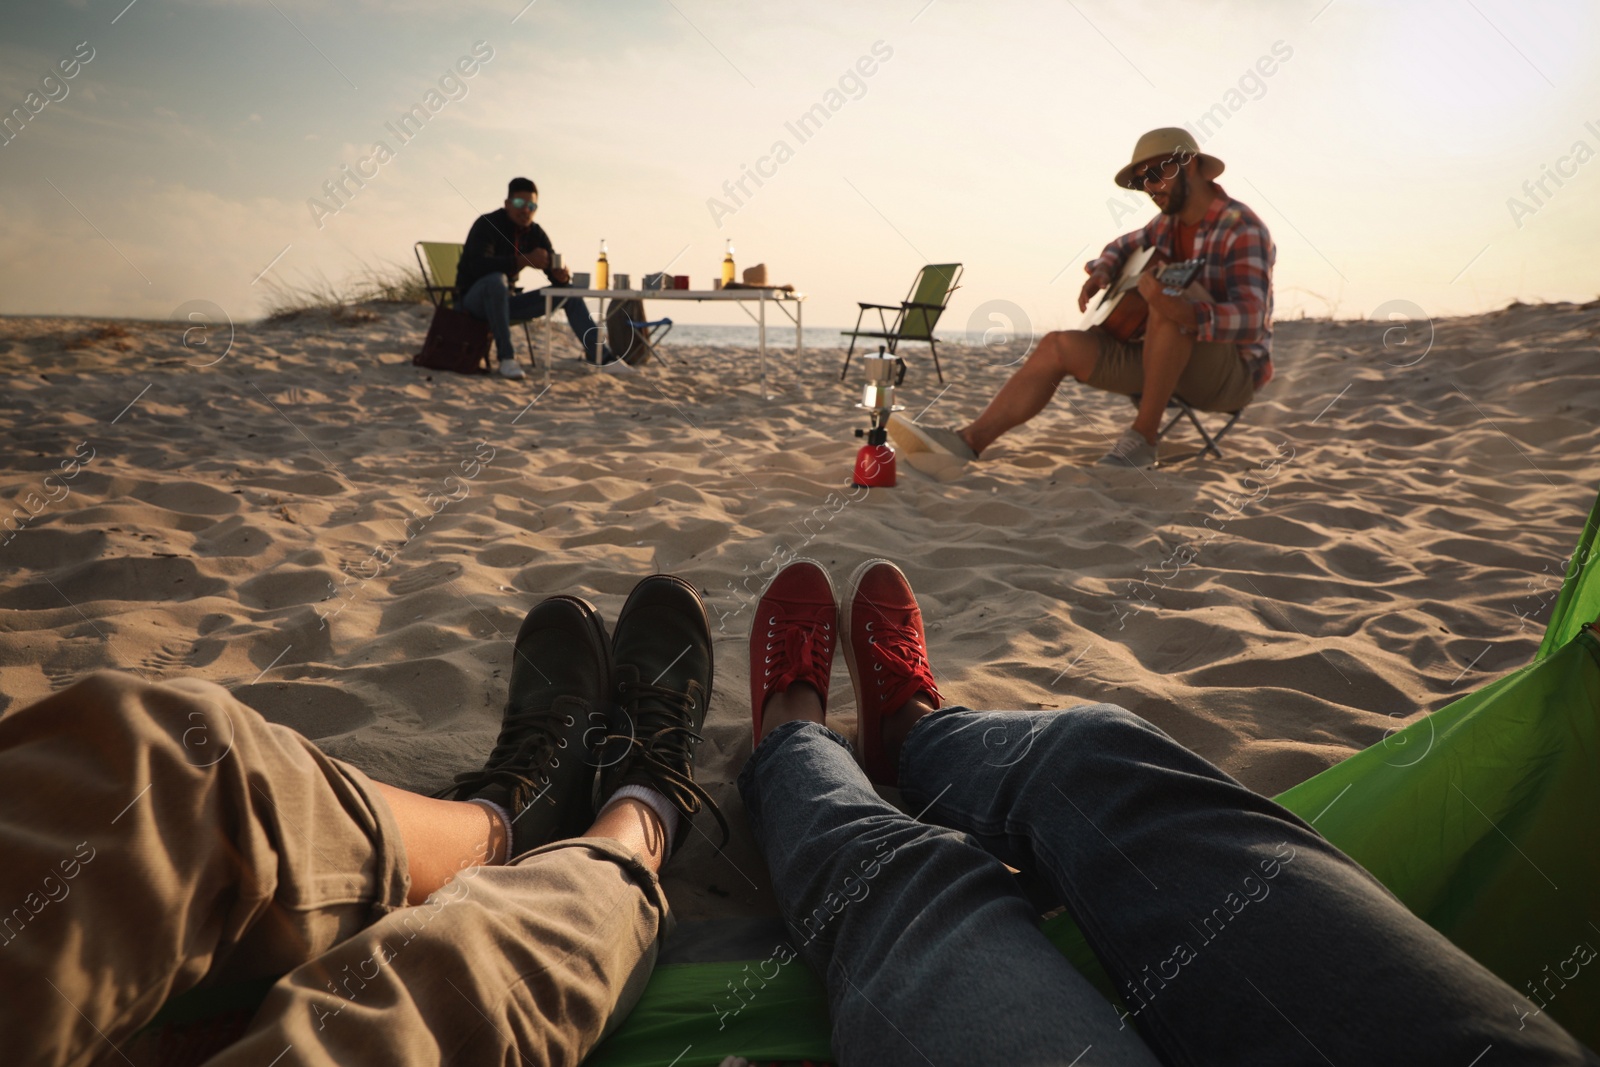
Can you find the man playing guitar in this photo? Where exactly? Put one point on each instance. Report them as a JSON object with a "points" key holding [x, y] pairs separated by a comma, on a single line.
{"points": [[1211, 345]]}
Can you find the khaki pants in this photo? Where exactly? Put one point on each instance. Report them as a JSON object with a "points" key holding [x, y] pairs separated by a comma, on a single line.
{"points": [[1214, 379], [156, 838]]}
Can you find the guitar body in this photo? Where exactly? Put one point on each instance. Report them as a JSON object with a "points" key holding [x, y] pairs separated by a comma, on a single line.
{"points": [[1122, 311], [1126, 320]]}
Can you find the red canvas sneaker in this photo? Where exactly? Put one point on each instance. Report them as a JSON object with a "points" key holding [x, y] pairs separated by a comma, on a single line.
{"points": [[793, 636], [887, 651]]}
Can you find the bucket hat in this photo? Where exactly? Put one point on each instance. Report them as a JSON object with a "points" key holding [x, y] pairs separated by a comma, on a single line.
{"points": [[1167, 141]]}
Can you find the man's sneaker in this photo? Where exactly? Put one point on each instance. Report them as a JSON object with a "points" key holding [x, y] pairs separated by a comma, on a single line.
{"points": [[1131, 450], [915, 437], [887, 652], [510, 368], [661, 649], [543, 766], [793, 636]]}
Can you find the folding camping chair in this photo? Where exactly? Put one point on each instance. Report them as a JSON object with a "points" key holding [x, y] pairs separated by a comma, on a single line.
{"points": [[1181, 409], [914, 318], [632, 337], [438, 261]]}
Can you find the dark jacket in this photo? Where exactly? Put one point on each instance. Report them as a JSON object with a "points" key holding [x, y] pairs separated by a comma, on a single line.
{"points": [[491, 248]]}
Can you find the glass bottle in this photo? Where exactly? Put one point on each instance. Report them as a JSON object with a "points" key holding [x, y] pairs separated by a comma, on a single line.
{"points": [[602, 269], [727, 266]]}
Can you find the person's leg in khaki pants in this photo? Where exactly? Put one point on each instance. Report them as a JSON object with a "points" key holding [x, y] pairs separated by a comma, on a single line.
{"points": [[533, 960], [155, 836], [537, 960], [160, 837]]}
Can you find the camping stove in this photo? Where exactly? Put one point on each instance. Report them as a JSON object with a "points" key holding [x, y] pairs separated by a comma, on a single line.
{"points": [[875, 460]]}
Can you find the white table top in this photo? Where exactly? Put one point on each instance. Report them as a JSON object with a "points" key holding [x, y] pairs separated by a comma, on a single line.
{"points": [[674, 294]]}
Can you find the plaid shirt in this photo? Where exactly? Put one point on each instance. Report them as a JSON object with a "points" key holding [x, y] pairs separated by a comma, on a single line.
{"points": [[1239, 255]]}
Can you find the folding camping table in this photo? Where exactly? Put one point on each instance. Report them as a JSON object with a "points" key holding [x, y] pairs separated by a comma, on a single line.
{"points": [[781, 299]]}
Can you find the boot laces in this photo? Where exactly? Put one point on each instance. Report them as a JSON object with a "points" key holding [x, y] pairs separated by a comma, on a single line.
{"points": [[660, 748], [527, 750]]}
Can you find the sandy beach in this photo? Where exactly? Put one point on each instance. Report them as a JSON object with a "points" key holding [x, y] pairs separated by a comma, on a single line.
{"points": [[349, 543]]}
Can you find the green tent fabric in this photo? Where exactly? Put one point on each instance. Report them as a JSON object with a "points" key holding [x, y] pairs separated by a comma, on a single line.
{"points": [[1480, 817], [1579, 601]]}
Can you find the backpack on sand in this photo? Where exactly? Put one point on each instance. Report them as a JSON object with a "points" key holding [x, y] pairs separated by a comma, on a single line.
{"points": [[456, 342], [626, 332]]}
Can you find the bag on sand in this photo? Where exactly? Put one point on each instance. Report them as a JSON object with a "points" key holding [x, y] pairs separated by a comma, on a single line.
{"points": [[456, 342], [627, 341]]}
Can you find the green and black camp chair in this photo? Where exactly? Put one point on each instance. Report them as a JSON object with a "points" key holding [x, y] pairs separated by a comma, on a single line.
{"points": [[438, 261], [914, 317]]}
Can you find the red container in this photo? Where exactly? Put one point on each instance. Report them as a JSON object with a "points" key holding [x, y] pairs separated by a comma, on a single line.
{"points": [[874, 467], [680, 281]]}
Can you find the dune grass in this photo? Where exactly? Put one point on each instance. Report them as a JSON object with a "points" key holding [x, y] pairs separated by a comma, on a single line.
{"points": [[344, 301]]}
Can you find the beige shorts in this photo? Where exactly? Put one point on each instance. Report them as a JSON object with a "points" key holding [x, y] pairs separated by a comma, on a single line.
{"points": [[1216, 379]]}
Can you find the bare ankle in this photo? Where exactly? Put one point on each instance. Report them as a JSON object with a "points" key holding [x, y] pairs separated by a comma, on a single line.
{"points": [[897, 726], [799, 702]]}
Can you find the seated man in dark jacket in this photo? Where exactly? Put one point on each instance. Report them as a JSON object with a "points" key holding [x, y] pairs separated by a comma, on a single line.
{"points": [[499, 245]]}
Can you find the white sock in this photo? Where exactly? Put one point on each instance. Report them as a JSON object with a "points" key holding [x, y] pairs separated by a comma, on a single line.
{"points": [[505, 820], [655, 801]]}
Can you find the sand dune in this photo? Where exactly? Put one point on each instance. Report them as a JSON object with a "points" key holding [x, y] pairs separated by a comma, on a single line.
{"points": [[350, 543]]}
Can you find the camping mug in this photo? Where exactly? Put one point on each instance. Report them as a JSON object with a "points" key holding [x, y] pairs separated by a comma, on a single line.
{"points": [[555, 260], [680, 281], [620, 281], [580, 281]]}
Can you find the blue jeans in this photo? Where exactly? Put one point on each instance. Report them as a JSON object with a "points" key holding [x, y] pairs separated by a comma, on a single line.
{"points": [[1234, 933], [491, 299]]}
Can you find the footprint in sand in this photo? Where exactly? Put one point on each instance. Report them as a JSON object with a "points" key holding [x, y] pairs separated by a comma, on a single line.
{"points": [[935, 465], [429, 574], [189, 498], [311, 709]]}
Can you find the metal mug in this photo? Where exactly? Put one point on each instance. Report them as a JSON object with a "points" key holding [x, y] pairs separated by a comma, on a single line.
{"points": [[680, 281], [620, 281], [555, 260], [580, 281]]}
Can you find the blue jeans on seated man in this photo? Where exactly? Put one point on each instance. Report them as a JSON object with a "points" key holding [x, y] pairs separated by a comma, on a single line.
{"points": [[1234, 933], [492, 300]]}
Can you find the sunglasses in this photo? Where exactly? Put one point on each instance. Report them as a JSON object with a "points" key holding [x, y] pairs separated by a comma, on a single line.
{"points": [[1163, 171], [519, 203]]}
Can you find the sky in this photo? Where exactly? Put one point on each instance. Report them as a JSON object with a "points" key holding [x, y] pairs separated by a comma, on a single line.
{"points": [[1435, 155]]}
